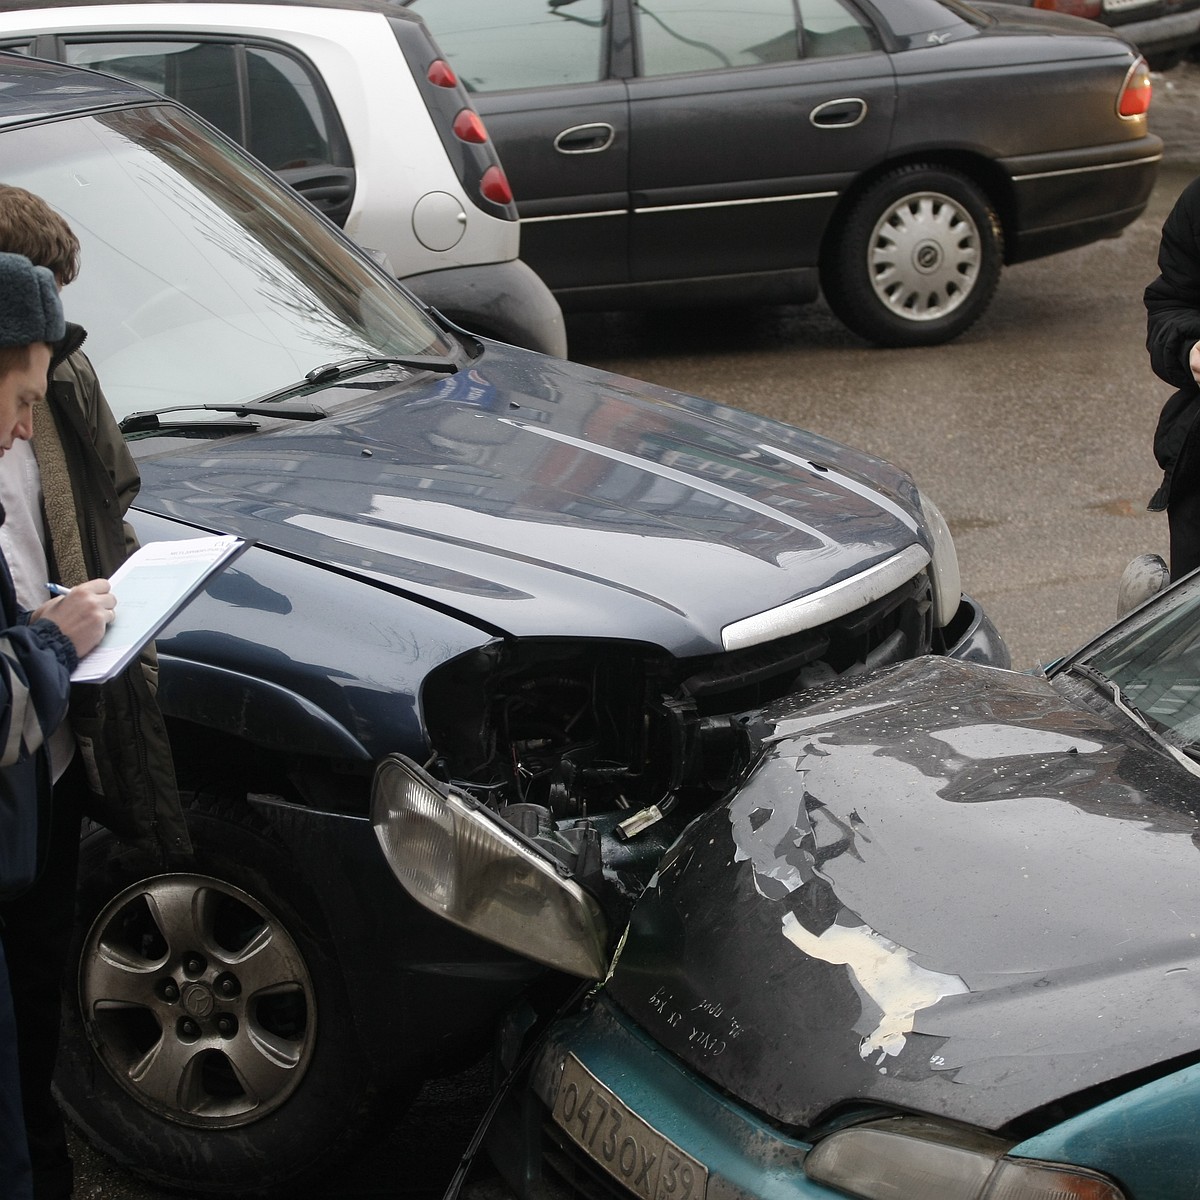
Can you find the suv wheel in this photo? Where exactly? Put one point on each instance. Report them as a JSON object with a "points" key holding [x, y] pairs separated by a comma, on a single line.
{"points": [[207, 1045]]}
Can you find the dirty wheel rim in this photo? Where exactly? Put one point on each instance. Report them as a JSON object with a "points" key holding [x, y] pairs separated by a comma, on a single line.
{"points": [[924, 256], [198, 1001]]}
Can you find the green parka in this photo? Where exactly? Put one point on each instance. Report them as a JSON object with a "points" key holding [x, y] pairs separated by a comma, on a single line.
{"points": [[89, 480]]}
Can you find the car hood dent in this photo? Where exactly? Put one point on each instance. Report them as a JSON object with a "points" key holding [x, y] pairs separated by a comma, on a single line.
{"points": [[545, 498], [949, 890]]}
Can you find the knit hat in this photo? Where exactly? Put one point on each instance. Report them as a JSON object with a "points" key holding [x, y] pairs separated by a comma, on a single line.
{"points": [[30, 310]]}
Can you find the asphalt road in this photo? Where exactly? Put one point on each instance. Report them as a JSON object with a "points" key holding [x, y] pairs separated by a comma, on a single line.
{"points": [[1032, 433]]}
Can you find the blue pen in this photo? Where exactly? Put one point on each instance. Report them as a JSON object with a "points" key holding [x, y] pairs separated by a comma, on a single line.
{"points": [[57, 589]]}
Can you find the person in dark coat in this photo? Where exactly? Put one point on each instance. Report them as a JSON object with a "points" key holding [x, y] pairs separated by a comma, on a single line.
{"points": [[1173, 340], [37, 654], [110, 758]]}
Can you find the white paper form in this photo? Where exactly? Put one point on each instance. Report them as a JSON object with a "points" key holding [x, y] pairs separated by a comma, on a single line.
{"points": [[151, 586]]}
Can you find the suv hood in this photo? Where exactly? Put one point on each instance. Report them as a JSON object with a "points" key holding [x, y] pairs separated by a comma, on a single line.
{"points": [[537, 496], [949, 890]]}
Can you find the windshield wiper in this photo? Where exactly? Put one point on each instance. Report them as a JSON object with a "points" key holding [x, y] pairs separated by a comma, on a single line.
{"points": [[364, 362], [331, 372], [267, 404], [1184, 755], [1113, 689], [152, 418]]}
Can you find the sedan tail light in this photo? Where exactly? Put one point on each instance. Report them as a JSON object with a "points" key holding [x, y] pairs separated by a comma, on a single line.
{"points": [[1074, 8], [1134, 97]]}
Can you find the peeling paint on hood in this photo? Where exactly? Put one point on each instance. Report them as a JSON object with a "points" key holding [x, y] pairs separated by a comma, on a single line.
{"points": [[948, 889]]}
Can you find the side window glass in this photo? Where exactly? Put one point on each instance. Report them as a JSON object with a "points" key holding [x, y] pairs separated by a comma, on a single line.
{"points": [[200, 75], [16, 47], [830, 28], [676, 36], [499, 44], [288, 125]]}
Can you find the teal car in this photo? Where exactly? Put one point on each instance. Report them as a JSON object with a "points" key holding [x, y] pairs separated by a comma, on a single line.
{"points": [[939, 939]]}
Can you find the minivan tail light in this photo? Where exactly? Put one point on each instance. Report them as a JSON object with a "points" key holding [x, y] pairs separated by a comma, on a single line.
{"points": [[441, 74], [1134, 98], [495, 186], [468, 127]]}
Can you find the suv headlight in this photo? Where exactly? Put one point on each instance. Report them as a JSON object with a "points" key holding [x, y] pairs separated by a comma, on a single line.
{"points": [[913, 1158], [943, 571], [461, 862]]}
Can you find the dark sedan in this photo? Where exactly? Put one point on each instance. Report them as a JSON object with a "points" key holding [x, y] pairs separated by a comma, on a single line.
{"points": [[941, 940], [898, 152]]}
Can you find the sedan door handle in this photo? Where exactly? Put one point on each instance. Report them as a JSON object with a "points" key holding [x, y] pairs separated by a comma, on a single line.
{"points": [[839, 114], [585, 139]]}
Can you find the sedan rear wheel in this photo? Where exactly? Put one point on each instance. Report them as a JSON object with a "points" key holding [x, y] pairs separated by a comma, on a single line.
{"points": [[917, 259]]}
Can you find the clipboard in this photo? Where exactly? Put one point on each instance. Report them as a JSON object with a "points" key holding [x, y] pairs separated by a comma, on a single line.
{"points": [[152, 585]]}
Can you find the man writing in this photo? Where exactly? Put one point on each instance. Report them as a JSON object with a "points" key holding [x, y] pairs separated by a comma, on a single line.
{"points": [[37, 654], [69, 490]]}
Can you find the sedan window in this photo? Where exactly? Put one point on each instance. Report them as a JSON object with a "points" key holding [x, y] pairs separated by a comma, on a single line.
{"points": [[520, 43], [831, 28], [678, 36]]}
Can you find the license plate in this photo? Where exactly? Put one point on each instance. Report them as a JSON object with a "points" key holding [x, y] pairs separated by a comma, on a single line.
{"points": [[631, 1151]]}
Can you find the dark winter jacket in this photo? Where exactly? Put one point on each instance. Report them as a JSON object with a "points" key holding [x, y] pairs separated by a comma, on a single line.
{"points": [[35, 663], [89, 480], [1172, 329]]}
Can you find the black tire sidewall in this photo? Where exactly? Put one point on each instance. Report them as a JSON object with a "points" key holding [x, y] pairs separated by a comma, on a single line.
{"points": [[845, 273], [315, 1126]]}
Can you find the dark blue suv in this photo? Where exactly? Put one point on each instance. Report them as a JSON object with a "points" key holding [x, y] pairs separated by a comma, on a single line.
{"points": [[551, 587]]}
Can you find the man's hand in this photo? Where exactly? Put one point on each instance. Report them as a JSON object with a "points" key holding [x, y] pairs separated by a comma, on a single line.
{"points": [[1194, 362], [85, 612]]}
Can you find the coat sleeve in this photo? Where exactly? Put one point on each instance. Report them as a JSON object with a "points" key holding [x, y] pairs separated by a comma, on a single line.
{"points": [[36, 662], [1173, 299]]}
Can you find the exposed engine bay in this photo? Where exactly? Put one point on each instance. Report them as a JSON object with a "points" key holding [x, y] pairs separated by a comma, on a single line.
{"points": [[558, 737]]}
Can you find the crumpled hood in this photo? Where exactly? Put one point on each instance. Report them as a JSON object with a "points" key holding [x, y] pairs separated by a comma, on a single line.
{"points": [[541, 497], [949, 889]]}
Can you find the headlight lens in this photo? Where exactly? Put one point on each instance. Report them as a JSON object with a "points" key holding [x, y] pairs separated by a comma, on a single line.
{"points": [[910, 1158], [944, 573], [462, 863]]}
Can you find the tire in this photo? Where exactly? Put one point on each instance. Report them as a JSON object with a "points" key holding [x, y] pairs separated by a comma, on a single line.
{"points": [[208, 1044], [916, 260]]}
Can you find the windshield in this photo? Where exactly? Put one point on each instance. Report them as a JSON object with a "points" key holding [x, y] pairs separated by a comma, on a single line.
{"points": [[202, 280], [1155, 662]]}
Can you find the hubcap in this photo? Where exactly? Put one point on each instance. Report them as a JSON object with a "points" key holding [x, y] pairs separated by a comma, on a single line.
{"points": [[197, 1001], [924, 257]]}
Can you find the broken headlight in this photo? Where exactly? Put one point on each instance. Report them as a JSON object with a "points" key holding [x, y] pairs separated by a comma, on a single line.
{"points": [[464, 863], [943, 570], [911, 1158]]}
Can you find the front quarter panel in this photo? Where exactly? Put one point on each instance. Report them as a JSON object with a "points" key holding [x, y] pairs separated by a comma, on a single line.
{"points": [[344, 653], [1145, 1139]]}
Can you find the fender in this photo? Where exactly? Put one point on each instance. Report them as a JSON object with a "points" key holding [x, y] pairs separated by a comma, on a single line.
{"points": [[252, 709]]}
